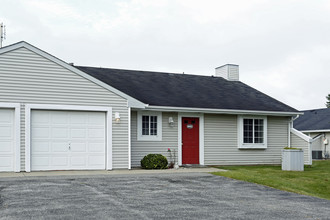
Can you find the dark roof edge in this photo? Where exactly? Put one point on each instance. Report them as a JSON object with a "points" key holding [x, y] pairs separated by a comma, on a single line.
{"points": [[222, 111]]}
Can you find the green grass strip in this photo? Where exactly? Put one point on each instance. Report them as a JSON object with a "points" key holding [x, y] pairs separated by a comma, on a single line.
{"points": [[314, 181]]}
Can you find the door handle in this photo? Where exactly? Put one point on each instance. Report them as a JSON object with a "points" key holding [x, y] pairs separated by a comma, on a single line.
{"points": [[69, 146]]}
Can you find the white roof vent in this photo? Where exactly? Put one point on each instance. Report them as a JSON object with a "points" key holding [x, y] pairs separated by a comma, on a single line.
{"points": [[228, 71]]}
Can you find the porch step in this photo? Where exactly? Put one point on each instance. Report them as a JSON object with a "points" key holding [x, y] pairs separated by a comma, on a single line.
{"points": [[193, 166]]}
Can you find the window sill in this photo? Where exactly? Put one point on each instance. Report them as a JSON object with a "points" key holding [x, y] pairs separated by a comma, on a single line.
{"points": [[249, 146], [149, 138]]}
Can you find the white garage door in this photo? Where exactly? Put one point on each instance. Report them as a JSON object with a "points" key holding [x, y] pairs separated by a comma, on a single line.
{"points": [[67, 140], [7, 139]]}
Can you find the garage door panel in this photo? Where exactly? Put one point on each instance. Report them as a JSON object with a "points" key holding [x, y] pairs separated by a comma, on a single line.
{"points": [[6, 163], [40, 162], [78, 118], [6, 131], [59, 132], [96, 133], [7, 139], [76, 140], [96, 160], [6, 116], [41, 146], [79, 162], [78, 147], [41, 118], [59, 147], [78, 132], [60, 161], [40, 132], [96, 119], [59, 118], [96, 147]]}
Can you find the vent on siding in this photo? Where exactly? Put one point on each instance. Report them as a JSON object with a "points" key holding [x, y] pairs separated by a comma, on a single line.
{"points": [[228, 71]]}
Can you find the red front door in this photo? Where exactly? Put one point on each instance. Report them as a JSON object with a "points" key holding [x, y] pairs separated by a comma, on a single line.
{"points": [[190, 140]]}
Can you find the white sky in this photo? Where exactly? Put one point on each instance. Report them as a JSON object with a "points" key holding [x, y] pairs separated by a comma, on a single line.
{"points": [[282, 47]]}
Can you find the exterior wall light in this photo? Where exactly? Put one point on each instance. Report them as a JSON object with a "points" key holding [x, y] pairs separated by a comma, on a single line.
{"points": [[117, 117], [171, 121]]}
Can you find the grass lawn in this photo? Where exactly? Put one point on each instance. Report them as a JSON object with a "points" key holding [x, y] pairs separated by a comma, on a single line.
{"points": [[314, 181]]}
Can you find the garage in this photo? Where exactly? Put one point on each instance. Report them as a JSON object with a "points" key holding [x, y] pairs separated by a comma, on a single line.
{"points": [[7, 139], [68, 140]]}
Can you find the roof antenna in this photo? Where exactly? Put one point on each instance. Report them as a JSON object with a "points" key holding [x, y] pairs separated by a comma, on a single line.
{"points": [[2, 33]]}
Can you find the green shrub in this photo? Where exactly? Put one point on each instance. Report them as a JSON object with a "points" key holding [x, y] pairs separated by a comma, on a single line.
{"points": [[154, 161]]}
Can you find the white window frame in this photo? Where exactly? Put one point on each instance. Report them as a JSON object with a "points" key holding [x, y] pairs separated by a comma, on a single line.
{"points": [[140, 136], [241, 144]]}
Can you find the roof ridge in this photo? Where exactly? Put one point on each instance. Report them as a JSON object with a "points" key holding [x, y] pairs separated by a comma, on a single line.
{"points": [[148, 71]]}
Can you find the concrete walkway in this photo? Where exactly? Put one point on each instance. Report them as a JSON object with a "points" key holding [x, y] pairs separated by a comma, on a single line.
{"points": [[105, 172]]}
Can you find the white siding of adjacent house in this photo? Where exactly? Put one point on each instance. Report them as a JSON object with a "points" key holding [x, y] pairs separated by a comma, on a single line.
{"points": [[318, 145], [28, 78], [298, 142], [169, 139], [221, 147]]}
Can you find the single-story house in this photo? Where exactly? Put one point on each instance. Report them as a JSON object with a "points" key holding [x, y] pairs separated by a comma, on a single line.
{"points": [[316, 124], [56, 116]]}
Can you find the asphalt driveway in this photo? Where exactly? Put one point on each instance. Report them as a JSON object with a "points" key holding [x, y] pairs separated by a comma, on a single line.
{"points": [[156, 196]]}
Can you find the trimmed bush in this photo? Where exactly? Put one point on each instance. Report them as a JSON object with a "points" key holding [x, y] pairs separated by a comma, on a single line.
{"points": [[154, 161]]}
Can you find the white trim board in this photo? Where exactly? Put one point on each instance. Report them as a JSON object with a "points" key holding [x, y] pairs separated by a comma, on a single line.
{"points": [[132, 102], [129, 140], [17, 108], [316, 131], [30, 107], [201, 135], [301, 135], [220, 111]]}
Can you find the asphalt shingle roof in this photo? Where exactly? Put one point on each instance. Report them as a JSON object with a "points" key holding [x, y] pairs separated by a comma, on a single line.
{"points": [[183, 90], [316, 119]]}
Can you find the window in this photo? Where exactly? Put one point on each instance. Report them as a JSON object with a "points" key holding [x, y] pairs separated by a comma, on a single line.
{"points": [[252, 132], [149, 126]]}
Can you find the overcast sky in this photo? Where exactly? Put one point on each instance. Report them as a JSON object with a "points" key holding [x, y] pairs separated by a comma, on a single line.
{"points": [[282, 47]]}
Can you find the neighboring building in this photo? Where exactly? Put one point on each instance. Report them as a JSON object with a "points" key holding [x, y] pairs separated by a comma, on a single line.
{"points": [[56, 116], [316, 124]]}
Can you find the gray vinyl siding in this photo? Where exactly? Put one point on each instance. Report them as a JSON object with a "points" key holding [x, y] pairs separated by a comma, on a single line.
{"points": [[140, 149], [28, 78], [221, 141], [298, 142]]}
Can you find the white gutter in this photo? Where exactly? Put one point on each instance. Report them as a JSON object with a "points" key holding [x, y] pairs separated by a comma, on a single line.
{"points": [[318, 131], [222, 111]]}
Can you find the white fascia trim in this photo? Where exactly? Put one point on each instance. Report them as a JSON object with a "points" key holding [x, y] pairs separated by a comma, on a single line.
{"points": [[132, 102], [301, 135], [316, 131], [29, 107], [241, 145], [17, 107], [221, 111], [201, 135]]}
